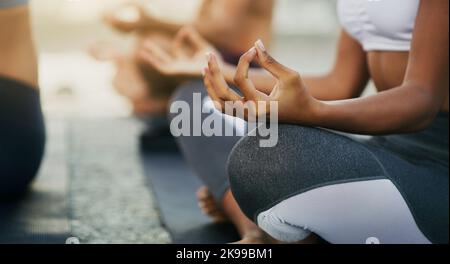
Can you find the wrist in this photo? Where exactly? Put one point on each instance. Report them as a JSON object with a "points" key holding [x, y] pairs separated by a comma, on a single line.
{"points": [[317, 112], [312, 114]]}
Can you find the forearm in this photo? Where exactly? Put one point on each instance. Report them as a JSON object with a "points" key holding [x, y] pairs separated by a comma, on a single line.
{"points": [[388, 112], [328, 88], [215, 30], [166, 27]]}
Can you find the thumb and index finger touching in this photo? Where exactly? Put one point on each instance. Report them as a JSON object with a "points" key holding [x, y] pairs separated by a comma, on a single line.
{"points": [[188, 35]]}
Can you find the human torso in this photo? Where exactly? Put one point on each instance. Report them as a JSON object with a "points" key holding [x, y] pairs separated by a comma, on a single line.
{"points": [[255, 23], [385, 30], [17, 54]]}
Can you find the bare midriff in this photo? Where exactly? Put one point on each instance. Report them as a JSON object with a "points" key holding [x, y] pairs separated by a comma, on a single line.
{"points": [[387, 70], [17, 54], [257, 24]]}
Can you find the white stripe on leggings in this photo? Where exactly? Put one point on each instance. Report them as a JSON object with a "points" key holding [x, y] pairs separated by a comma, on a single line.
{"points": [[238, 125], [348, 213]]}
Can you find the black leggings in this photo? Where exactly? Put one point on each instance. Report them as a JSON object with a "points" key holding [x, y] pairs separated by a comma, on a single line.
{"points": [[22, 137]]}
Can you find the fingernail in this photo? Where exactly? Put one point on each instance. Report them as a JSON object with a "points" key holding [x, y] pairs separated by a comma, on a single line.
{"points": [[204, 72], [252, 51], [209, 56], [260, 45]]}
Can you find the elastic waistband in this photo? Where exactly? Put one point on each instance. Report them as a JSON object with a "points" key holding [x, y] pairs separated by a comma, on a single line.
{"points": [[11, 82], [19, 102]]}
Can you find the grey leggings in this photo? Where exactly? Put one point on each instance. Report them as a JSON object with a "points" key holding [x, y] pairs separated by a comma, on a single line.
{"points": [[207, 156], [345, 190]]}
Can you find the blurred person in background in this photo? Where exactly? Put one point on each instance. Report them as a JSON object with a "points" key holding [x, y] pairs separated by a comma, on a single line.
{"points": [[231, 26], [318, 183], [22, 132]]}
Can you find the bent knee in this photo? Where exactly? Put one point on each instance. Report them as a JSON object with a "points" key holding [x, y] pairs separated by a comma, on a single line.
{"points": [[20, 160], [303, 159], [259, 175], [345, 213], [277, 227], [15, 179]]}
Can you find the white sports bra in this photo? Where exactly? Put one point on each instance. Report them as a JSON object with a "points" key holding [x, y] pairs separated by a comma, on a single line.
{"points": [[384, 25]]}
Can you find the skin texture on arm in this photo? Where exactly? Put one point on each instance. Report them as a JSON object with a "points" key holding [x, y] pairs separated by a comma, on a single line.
{"points": [[218, 21], [413, 105], [216, 13], [140, 22], [408, 108], [163, 26], [209, 22]]}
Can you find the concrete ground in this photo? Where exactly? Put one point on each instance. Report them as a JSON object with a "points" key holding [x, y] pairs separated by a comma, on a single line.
{"points": [[109, 198], [96, 167]]}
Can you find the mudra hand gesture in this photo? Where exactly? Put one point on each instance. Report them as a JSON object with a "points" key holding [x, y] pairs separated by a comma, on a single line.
{"points": [[295, 104], [185, 57]]}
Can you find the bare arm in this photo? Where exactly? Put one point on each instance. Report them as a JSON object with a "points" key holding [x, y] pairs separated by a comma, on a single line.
{"points": [[413, 105], [164, 26], [215, 20], [218, 19], [408, 108], [143, 22], [210, 21]]}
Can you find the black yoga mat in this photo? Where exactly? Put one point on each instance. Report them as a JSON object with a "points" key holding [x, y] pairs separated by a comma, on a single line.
{"points": [[41, 216], [175, 186], [38, 218]]}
